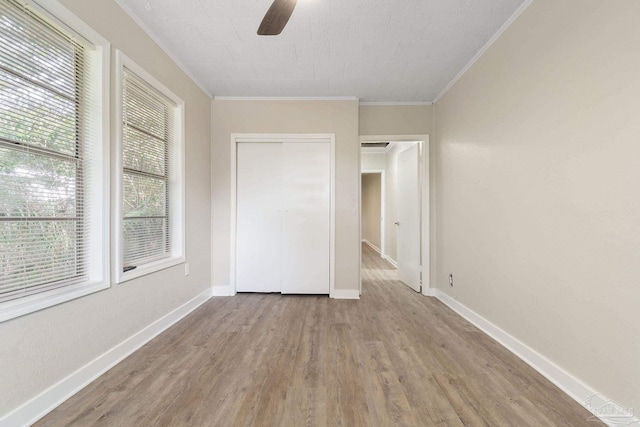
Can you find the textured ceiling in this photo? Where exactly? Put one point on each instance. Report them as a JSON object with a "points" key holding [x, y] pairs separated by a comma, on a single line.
{"points": [[377, 50]]}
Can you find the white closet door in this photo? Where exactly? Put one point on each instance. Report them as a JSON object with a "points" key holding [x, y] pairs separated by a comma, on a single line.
{"points": [[259, 217], [306, 204]]}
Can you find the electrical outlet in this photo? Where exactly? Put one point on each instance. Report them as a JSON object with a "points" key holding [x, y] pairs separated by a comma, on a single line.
{"points": [[451, 280], [186, 269]]}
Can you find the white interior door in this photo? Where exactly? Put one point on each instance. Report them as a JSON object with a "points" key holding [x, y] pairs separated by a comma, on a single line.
{"points": [[259, 217], [408, 193], [306, 226]]}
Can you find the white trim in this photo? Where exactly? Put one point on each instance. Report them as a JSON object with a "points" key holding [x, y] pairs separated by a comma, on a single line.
{"points": [[390, 260], [484, 48], [390, 139], [233, 213], [393, 103], [21, 306], [157, 40], [332, 216], [393, 138], [432, 292], [393, 144], [212, 218], [59, 15], [345, 294], [425, 215], [572, 386], [372, 246], [106, 153], [177, 187], [285, 98], [223, 291], [45, 402], [360, 222], [149, 268], [329, 138]]}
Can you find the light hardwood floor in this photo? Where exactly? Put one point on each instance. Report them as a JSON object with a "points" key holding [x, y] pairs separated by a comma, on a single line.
{"points": [[393, 358]]}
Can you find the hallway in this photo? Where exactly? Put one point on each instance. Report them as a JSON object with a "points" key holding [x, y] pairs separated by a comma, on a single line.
{"points": [[393, 358]]}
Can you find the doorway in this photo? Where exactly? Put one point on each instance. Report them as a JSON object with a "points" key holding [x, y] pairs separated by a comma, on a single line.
{"points": [[401, 163]]}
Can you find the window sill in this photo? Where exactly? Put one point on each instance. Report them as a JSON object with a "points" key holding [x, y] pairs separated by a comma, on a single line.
{"points": [[21, 306], [152, 267]]}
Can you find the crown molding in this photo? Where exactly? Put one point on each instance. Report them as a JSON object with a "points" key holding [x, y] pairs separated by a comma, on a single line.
{"points": [[285, 98], [392, 103], [162, 46], [484, 48]]}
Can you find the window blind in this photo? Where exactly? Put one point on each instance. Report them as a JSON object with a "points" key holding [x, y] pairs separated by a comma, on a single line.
{"points": [[146, 158], [42, 155]]}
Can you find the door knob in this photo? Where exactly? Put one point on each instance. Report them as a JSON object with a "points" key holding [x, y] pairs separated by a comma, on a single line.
{"points": [[397, 223]]}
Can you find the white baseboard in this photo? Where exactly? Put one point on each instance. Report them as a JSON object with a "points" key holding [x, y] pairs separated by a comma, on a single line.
{"points": [[45, 402], [372, 246], [607, 411], [224, 291], [345, 294], [431, 292], [391, 260]]}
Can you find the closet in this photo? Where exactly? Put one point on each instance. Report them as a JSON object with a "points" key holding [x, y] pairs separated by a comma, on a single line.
{"points": [[283, 216]]}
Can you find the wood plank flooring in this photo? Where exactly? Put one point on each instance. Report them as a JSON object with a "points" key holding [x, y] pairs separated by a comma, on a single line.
{"points": [[393, 358]]}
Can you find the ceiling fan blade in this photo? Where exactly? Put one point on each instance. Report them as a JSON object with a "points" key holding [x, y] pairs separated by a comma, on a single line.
{"points": [[277, 17]]}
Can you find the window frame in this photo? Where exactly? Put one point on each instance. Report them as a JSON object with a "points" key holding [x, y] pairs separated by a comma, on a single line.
{"points": [[176, 181], [96, 196]]}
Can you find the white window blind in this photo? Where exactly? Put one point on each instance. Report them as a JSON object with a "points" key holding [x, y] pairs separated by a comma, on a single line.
{"points": [[147, 147], [43, 237]]}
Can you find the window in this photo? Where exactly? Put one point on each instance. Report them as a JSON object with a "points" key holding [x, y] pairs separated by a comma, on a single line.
{"points": [[150, 174], [52, 175]]}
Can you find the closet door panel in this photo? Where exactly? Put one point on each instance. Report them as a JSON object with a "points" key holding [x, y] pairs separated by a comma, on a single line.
{"points": [[259, 217], [306, 226]]}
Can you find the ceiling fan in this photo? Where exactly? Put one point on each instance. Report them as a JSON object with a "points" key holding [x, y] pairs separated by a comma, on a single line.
{"points": [[276, 18]]}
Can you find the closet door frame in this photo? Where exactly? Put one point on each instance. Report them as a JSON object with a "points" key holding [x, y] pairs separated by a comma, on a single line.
{"points": [[236, 138]]}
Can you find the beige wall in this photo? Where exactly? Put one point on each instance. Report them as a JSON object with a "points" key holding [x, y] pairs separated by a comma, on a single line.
{"points": [[538, 154], [339, 117], [372, 207], [396, 119], [42, 348]]}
